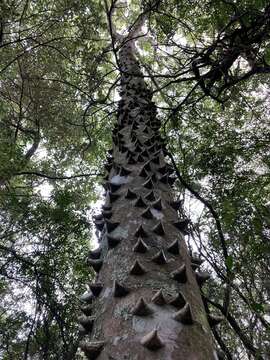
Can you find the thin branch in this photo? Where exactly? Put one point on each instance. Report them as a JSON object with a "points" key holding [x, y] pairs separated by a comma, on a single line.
{"points": [[247, 343], [55, 177]]}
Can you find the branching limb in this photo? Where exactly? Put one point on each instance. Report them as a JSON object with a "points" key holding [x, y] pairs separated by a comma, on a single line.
{"points": [[233, 323]]}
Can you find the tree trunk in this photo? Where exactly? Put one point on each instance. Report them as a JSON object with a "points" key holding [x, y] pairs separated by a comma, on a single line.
{"points": [[146, 302]]}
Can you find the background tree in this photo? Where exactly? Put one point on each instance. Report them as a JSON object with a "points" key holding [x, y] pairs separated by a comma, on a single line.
{"points": [[207, 65]]}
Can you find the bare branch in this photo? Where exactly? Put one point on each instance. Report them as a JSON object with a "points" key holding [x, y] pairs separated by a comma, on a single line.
{"points": [[55, 177]]}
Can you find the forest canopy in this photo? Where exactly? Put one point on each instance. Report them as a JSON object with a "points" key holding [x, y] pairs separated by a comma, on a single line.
{"points": [[207, 64]]}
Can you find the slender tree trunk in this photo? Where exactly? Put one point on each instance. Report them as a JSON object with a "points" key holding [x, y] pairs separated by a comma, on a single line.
{"points": [[146, 302]]}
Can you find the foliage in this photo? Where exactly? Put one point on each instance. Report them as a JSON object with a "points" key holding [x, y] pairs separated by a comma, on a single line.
{"points": [[208, 64]]}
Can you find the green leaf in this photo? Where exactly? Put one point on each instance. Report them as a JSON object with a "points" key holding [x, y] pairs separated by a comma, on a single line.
{"points": [[258, 307], [229, 262]]}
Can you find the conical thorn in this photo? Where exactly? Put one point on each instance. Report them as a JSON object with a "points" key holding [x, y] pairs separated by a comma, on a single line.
{"points": [[184, 315], [140, 246], [96, 288], [147, 214], [92, 349], [119, 290], [130, 195], [96, 264], [202, 277], [140, 232], [196, 260], [86, 309], [159, 298], [150, 196], [113, 197], [87, 322], [99, 225], [94, 254], [137, 269], [176, 205], [87, 298], [98, 217], [148, 184], [194, 266], [157, 205], [182, 225], [107, 214], [174, 248], [140, 203], [141, 308], [143, 173], [114, 187], [152, 341], [178, 301], [180, 274], [112, 242], [111, 225], [159, 258], [159, 229], [124, 172], [171, 180]]}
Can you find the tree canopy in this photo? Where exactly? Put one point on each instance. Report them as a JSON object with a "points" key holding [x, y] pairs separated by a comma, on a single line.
{"points": [[208, 66]]}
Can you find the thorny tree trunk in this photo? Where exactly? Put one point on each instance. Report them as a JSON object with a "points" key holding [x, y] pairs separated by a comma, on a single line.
{"points": [[145, 302]]}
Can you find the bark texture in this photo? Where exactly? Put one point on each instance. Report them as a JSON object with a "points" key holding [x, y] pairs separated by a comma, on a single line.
{"points": [[146, 302]]}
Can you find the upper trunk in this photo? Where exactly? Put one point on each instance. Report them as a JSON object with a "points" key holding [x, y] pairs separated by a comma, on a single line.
{"points": [[146, 301]]}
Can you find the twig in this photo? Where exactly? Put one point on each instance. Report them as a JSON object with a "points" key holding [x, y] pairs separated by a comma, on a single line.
{"points": [[55, 177]]}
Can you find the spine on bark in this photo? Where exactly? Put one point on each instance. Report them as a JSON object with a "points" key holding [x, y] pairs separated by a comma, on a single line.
{"points": [[146, 297]]}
